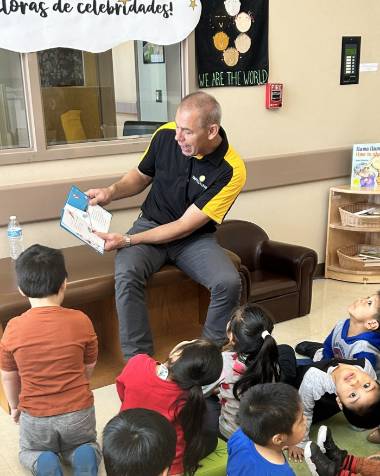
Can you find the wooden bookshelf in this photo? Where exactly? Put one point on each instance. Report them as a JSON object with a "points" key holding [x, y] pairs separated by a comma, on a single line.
{"points": [[339, 235]]}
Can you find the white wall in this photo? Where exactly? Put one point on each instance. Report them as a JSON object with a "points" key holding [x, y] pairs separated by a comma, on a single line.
{"points": [[123, 57]]}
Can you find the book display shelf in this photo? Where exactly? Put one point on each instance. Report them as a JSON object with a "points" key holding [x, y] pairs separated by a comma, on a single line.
{"points": [[349, 232]]}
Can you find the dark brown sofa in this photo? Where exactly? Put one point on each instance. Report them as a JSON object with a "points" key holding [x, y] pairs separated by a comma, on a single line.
{"points": [[280, 274]]}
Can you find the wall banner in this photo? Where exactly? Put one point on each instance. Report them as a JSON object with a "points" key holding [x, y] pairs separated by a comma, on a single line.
{"points": [[232, 43], [94, 25]]}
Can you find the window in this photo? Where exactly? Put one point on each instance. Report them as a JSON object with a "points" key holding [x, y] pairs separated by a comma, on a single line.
{"points": [[106, 96], [13, 116], [64, 104]]}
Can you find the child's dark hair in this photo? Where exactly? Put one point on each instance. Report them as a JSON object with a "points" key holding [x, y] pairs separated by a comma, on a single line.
{"points": [[257, 350], [40, 271], [138, 442], [200, 363], [367, 418], [268, 409]]}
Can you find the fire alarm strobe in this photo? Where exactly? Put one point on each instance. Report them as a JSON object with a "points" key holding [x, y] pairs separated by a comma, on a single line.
{"points": [[273, 95]]}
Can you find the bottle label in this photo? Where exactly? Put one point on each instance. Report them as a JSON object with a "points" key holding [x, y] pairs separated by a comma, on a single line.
{"points": [[15, 233]]}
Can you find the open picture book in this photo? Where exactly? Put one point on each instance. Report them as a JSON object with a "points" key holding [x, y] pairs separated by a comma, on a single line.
{"points": [[82, 219]]}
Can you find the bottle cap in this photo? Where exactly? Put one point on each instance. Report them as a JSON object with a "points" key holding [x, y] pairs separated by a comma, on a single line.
{"points": [[13, 217]]}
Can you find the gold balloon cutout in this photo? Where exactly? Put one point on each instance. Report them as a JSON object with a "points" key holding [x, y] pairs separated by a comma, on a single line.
{"points": [[221, 40]]}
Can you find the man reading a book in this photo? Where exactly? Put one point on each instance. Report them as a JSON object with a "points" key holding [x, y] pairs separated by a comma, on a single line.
{"points": [[195, 177]]}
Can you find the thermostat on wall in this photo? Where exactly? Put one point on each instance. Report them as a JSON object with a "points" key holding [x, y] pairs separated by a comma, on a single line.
{"points": [[349, 67]]}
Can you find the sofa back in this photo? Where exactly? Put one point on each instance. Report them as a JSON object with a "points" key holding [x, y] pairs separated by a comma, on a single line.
{"points": [[243, 238]]}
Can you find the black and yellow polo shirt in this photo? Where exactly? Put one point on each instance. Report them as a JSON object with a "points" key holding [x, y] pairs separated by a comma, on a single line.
{"points": [[212, 182]]}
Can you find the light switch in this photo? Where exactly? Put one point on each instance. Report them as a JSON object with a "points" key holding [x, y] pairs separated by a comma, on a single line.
{"points": [[158, 95]]}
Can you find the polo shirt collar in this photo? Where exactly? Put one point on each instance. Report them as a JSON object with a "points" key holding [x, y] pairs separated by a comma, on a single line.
{"points": [[217, 156]]}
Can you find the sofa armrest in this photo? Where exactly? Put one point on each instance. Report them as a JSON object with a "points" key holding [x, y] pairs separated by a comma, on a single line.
{"points": [[245, 277], [295, 261], [244, 274], [233, 257], [287, 259]]}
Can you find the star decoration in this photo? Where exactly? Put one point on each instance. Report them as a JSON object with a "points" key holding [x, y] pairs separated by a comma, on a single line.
{"points": [[193, 4]]}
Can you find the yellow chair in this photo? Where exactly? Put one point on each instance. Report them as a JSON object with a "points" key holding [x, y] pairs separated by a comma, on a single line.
{"points": [[72, 126]]}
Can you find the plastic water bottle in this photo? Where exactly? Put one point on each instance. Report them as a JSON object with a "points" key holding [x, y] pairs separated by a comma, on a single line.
{"points": [[15, 238]]}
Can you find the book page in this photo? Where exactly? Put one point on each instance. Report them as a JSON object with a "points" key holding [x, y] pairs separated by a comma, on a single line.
{"points": [[79, 224], [100, 219]]}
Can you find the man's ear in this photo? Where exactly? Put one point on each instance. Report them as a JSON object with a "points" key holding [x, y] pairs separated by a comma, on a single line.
{"points": [[213, 131], [372, 325], [19, 290], [339, 403]]}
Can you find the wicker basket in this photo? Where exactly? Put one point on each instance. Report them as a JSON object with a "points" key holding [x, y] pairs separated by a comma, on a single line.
{"points": [[348, 217], [347, 260]]}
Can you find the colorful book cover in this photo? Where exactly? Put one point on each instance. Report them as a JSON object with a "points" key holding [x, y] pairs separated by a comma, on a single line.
{"points": [[82, 219], [365, 166]]}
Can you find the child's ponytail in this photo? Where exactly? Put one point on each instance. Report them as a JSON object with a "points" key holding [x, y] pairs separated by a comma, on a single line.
{"points": [[262, 368], [191, 418], [251, 329], [200, 363]]}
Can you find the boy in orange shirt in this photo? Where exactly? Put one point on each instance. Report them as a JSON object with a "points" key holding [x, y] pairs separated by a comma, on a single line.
{"points": [[47, 355]]}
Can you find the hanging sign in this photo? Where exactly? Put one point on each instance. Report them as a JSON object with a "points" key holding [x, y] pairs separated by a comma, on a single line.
{"points": [[232, 43], [94, 25]]}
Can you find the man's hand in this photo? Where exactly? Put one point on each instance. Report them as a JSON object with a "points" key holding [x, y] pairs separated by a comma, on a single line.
{"points": [[113, 241], [295, 453], [99, 196], [15, 414]]}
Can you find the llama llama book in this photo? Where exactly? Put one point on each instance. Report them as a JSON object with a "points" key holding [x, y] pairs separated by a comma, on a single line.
{"points": [[82, 219], [365, 165]]}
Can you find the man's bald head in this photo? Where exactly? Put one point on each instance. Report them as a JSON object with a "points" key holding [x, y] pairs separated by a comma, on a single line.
{"points": [[207, 107]]}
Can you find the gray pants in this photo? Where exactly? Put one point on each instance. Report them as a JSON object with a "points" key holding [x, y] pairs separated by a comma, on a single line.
{"points": [[61, 434], [200, 257]]}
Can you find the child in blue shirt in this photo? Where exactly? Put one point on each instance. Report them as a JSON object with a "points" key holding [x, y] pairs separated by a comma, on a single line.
{"points": [[271, 417], [355, 338]]}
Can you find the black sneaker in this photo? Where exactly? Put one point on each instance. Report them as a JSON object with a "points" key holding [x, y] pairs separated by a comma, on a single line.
{"points": [[327, 445], [308, 348], [317, 462]]}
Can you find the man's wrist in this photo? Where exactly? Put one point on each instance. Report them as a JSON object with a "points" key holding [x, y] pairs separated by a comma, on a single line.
{"points": [[127, 242], [112, 190]]}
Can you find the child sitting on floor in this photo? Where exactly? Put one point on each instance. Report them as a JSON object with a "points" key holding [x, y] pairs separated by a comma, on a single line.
{"points": [[174, 389], [46, 358], [138, 442], [251, 357], [271, 417], [330, 386], [353, 338], [327, 459]]}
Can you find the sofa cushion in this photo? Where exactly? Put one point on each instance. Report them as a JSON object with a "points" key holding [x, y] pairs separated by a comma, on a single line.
{"points": [[265, 285]]}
